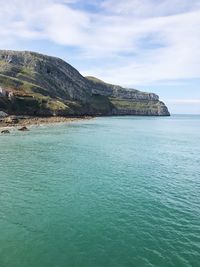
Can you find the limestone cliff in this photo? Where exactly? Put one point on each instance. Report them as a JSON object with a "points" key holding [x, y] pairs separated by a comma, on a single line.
{"points": [[35, 84], [128, 101]]}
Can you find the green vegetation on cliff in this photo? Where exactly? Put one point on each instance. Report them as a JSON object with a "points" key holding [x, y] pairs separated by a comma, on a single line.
{"points": [[45, 86]]}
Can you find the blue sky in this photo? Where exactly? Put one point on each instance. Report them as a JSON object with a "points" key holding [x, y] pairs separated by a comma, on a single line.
{"points": [[152, 45]]}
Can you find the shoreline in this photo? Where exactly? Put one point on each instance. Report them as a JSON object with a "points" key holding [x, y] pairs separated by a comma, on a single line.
{"points": [[19, 121]]}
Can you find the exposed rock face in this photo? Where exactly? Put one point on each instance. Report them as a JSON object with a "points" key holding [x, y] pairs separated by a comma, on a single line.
{"points": [[35, 84], [23, 129], [5, 132], [3, 114], [129, 101], [102, 88], [52, 76]]}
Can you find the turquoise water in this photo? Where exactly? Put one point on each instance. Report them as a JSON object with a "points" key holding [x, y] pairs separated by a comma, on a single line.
{"points": [[107, 192]]}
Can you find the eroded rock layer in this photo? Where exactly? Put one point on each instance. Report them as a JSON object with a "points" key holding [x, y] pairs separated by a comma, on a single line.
{"points": [[36, 84]]}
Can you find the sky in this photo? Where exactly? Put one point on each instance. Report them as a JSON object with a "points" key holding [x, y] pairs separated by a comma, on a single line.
{"points": [[150, 45]]}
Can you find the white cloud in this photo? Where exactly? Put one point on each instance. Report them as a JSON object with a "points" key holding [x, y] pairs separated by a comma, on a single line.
{"points": [[139, 41], [177, 57], [150, 8], [44, 19], [64, 25]]}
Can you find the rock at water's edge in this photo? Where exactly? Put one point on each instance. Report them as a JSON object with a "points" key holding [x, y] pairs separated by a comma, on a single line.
{"points": [[5, 132], [23, 129]]}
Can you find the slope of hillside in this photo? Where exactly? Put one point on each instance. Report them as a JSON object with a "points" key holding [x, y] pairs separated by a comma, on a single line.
{"points": [[35, 84]]}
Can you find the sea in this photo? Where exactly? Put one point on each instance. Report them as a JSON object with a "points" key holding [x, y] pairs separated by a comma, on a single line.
{"points": [[104, 192]]}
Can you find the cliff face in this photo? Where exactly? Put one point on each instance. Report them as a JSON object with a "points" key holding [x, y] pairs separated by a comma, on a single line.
{"points": [[54, 76], [35, 84], [129, 101], [110, 90]]}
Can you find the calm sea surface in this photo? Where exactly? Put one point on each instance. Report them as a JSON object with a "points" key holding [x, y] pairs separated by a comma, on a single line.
{"points": [[107, 192]]}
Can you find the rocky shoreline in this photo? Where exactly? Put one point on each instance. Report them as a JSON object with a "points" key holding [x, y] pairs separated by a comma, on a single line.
{"points": [[25, 121]]}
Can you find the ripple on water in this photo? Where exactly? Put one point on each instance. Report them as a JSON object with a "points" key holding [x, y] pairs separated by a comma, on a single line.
{"points": [[107, 192]]}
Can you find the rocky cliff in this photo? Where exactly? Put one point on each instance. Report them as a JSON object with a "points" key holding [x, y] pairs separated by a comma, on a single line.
{"points": [[35, 84]]}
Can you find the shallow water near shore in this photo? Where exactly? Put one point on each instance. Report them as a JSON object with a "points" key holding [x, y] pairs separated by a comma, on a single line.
{"points": [[107, 192]]}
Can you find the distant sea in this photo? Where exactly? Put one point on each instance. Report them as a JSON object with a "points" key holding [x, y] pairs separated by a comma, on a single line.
{"points": [[106, 192]]}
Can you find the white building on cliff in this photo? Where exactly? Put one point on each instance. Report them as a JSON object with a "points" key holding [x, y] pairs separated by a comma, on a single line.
{"points": [[2, 92]]}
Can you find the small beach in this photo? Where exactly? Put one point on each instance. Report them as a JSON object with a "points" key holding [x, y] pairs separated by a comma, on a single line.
{"points": [[19, 121]]}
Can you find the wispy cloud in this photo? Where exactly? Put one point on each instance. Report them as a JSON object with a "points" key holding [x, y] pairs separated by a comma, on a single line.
{"points": [[150, 8], [132, 42]]}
